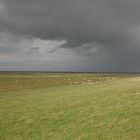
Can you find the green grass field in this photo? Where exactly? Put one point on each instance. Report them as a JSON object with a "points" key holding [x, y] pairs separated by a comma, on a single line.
{"points": [[69, 106]]}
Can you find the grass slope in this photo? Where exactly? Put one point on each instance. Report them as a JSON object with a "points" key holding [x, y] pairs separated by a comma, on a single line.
{"points": [[105, 110]]}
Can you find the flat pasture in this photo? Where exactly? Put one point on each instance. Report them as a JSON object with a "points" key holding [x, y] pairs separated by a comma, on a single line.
{"points": [[69, 106]]}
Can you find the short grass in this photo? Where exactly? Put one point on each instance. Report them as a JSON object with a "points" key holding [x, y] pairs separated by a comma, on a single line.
{"points": [[69, 107]]}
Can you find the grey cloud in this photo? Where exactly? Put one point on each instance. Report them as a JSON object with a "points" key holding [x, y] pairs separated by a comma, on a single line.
{"points": [[105, 33]]}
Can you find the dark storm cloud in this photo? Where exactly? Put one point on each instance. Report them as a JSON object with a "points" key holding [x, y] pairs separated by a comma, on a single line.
{"points": [[76, 20], [105, 32]]}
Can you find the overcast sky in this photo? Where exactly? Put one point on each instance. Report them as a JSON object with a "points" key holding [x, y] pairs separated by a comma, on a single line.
{"points": [[70, 35]]}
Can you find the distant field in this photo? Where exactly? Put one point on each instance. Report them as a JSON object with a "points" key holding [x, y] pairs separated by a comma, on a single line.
{"points": [[69, 106]]}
